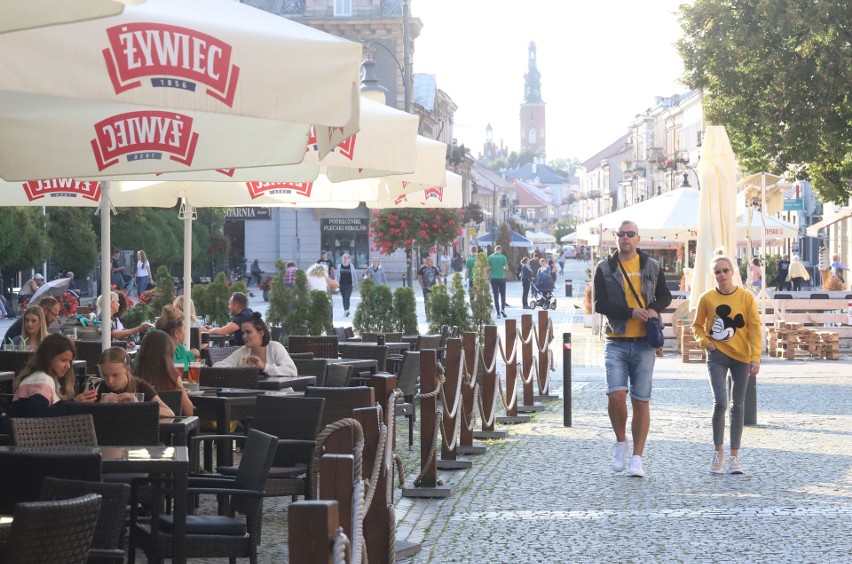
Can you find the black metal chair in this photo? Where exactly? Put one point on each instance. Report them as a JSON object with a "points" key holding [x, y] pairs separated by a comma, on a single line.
{"points": [[244, 377], [321, 346], [221, 535], [213, 355], [425, 342], [109, 541], [341, 334], [53, 531], [74, 430], [301, 355], [118, 424], [173, 399], [22, 473], [338, 376], [379, 353], [312, 367], [14, 361], [409, 383], [90, 351]]}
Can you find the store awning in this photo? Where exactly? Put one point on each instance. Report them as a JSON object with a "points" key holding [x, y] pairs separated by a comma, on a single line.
{"points": [[813, 230]]}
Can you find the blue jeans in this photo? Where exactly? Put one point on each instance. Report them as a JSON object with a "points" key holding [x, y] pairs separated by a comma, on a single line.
{"points": [[629, 363], [141, 284], [718, 366]]}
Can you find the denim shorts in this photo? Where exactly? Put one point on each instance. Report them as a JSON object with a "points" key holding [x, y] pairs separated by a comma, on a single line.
{"points": [[629, 362]]}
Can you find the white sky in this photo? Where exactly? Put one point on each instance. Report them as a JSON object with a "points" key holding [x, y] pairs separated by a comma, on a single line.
{"points": [[601, 63]]}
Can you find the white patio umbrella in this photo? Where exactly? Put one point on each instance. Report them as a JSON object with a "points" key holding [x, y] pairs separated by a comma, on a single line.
{"points": [[669, 215], [392, 194], [37, 13], [717, 228], [539, 237]]}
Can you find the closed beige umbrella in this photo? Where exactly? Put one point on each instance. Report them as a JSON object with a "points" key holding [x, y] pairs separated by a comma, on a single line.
{"points": [[717, 215]]}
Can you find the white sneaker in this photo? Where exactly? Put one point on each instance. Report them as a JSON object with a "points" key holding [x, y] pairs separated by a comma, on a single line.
{"points": [[636, 470], [717, 463], [619, 457], [734, 465]]}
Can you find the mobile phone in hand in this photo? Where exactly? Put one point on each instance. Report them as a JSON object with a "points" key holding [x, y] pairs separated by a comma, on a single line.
{"points": [[93, 382]]}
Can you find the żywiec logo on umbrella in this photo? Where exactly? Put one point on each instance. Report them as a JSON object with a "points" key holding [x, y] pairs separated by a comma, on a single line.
{"points": [[345, 147], [258, 189], [144, 135], [62, 188], [172, 56], [436, 192]]}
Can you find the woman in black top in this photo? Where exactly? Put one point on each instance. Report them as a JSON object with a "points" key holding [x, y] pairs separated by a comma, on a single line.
{"points": [[345, 276]]}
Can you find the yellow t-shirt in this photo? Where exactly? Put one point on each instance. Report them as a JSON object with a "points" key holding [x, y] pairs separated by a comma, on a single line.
{"points": [[731, 322], [635, 327]]}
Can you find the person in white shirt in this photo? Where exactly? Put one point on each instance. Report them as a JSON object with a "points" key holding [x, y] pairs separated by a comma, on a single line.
{"points": [[143, 273], [260, 350]]}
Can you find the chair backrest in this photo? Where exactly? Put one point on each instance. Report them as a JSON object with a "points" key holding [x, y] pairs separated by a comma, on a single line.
{"points": [[253, 471], [425, 342], [369, 337], [393, 337], [277, 333], [73, 430], [301, 355], [14, 361], [341, 334], [349, 331], [311, 367], [195, 338], [114, 498], [22, 473], [409, 374], [53, 531], [90, 351], [288, 417], [121, 424], [173, 399], [321, 346], [244, 377], [339, 402], [213, 355], [338, 375], [378, 353]]}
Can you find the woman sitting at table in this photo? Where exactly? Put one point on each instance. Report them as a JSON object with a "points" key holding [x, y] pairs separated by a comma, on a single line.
{"points": [[116, 311], [193, 319], [47, 380], [171, 322], [33, 330], [259, 350], [155, 365], [117, 379]]}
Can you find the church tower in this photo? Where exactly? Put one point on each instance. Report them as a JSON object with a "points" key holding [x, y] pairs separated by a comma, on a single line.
{"points": [[532, 110]]}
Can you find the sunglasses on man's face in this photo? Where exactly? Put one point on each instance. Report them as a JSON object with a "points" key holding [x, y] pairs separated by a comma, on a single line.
{"points": [[630, 234], [723, 271]]}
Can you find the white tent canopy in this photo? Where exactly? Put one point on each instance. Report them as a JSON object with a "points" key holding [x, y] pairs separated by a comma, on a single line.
{"points": [[539, 237]]}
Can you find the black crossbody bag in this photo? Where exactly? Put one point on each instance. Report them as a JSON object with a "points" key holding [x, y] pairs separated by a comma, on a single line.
{"points": [[654, 326]]}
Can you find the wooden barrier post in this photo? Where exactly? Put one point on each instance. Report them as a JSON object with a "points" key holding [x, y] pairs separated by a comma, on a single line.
{"points": [[489, 391], [384, 385], [545, 335], [312, 526], [377, 530], [512, 354], [529, 348], [452, 412], [337, 476], [469, 391], [427, 483]]}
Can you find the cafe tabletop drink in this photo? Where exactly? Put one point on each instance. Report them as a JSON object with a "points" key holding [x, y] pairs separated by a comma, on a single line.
{"points": [[195, 372]]}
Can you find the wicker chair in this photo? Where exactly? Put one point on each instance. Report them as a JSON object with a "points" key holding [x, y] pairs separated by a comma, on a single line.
{"points": [[409, 383], [35, 532], [369, 337], [339, 402], [301, 355], [244, 377], [425, 342], [22, 473], [313, 367], [109, 541], [215, 535], [296, 423], [173, 399], [74, 430], [213, 355], [90, 351], [379, 353], [118, 424], [322, 347], [338, 375], [342, 337], [350, 333]]}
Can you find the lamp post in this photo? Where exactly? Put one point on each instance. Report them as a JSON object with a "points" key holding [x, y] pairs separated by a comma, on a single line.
{"points": [[685, 183], [404, 67]]}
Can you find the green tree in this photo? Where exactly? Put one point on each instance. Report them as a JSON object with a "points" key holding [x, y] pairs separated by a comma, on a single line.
{"points": [[563, 227], [437, 308], [24, 241], [280, 296], [459, 311], [298, 317], [75, 242], [405, 311], [164, 293], [481, 303], [374, 313], [566, 167], [777, 75], [319, 320], [212, 301]]}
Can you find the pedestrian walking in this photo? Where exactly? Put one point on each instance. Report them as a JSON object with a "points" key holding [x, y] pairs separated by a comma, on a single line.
{"points": [[561, 261], [445, 264], [143, 273], [376, 273], [629, 289], [756, 275], [498, 264], [290, 275], [727, 324], [255, 272], [798, 273], [329, 264], [782, 267], [526, 275], [469, 264], [347, 277], [428, 276]]}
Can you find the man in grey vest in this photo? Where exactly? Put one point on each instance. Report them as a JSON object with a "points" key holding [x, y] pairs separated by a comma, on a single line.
{"points": [[629, 288]]}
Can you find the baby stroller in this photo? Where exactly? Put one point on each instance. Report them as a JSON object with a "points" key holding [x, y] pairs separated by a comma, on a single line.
{"points": [[542, 290]]}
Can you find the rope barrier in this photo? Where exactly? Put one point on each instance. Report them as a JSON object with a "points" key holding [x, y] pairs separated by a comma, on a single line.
{"points": [[432, 450], [341, 547]]}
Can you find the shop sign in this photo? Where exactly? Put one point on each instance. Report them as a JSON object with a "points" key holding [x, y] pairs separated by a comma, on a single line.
{"points": [[237, 214]]}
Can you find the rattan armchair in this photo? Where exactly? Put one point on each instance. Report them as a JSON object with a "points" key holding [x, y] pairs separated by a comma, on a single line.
{"points": [[90, 351], [109, 541], [321, 346], [338, 376], [244, 377], [379, 353], [211, 536], [425, 342], [173, 399], [53, 531], [213, 355], [409, 383], [74, 430]]}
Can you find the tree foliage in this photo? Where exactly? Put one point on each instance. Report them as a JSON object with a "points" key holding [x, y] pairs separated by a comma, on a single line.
{"points": [[24, 241], [566, 167], [777, 75], [405, 311], [481, 304], [75, 242], [374, 313], [563, 227]]}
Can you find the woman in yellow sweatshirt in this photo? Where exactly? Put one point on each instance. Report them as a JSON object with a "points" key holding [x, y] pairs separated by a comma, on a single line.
{"points": [[727, 324]]}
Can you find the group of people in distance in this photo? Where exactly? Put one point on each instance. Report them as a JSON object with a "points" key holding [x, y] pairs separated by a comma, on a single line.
{"points": [[630, 289]]}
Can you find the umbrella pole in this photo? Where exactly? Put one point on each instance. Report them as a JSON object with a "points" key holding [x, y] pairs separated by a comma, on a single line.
{"points": [[186, 214], [106, 268]]}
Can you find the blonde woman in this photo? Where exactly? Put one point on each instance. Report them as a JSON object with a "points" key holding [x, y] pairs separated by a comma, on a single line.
{"points": [[34, 329], [178, 303], [117, 329]]}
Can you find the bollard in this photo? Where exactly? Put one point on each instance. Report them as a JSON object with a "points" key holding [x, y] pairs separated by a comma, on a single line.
{"points": [[566, 379], [313, 526], [750, 417], [569, 287]]}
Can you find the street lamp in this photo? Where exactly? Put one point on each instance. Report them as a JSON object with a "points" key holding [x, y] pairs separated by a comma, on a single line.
{"points": [[404, 67], [685, 183]]}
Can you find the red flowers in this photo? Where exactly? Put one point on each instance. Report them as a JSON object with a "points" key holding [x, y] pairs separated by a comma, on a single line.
{"points": [[407, 228]]}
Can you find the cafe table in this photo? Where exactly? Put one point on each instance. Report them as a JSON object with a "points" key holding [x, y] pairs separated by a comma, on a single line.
{"points": [[6, 379], [169, 460], [276, 383], [177, 431], [393, 348], [223, 406], [360, 364]]}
